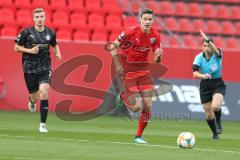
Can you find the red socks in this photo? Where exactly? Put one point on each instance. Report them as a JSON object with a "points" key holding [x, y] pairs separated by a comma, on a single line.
{"points": [[142, 122]]}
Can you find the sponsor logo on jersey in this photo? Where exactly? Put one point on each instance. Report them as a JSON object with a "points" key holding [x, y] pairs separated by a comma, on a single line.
{"points": [[213, 68]]}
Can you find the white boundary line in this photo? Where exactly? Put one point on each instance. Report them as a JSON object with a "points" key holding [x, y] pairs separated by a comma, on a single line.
{"points": [[122, 143]]}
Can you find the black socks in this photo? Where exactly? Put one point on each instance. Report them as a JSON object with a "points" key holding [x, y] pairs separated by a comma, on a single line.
{"points": [[43, 110], [212, 125]]}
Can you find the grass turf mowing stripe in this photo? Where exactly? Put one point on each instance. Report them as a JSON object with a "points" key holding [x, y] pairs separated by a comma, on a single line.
{"points": [[121, 143]]}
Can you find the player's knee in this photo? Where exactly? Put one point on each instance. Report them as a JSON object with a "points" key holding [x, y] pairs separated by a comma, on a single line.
{"points": [[209, 115], [34, 98], [136, 108], [147, 106], [216, 107], [43, 94]]}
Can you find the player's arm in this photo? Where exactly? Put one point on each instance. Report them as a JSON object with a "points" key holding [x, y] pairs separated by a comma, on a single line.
{"points": [[57, 52], [211, 43], [198, 75], [55, 47], [114, 53], [158, 55], [158, 51], [19, 48], [19, 44]]}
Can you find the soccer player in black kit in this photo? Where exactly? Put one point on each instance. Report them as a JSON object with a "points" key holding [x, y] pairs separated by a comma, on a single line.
{"points": [[34, 43]]}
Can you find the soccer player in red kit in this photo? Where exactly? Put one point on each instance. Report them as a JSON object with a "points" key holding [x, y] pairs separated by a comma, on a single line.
{"points": [[135, 44]]}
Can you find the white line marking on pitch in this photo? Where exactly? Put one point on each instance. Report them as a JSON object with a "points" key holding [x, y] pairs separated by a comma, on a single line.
{"points": [[123, 143], [17, 158]]}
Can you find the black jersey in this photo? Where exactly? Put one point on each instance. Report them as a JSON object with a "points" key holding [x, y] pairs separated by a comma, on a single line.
{"points": [[30, 37]]}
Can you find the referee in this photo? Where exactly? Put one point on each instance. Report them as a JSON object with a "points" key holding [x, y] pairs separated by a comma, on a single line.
{"points": [[207, 66], [34, 43]]}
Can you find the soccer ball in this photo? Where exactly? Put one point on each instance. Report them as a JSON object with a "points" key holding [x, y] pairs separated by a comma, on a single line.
{"points": [[186, 140]]}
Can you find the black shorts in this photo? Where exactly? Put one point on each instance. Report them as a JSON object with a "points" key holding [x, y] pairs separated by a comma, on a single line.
{"points": [[208, 87], [33, 80]]}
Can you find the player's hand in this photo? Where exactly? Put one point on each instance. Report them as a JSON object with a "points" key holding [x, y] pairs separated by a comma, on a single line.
{"points": [[58, 57], [158, 55], [119, 69], [34, 50], [204, 36], [206, 76]]}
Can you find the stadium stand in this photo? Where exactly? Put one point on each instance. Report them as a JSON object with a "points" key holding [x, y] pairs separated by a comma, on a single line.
{"points": [[220, 18]]}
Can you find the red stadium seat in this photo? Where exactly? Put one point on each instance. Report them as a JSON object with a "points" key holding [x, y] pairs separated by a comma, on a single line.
{"points": [[113, 21], [154, 5], [109, 1], [181, 9], [26, 4], [76, 5], [94, 6], [209, 11], [171, 23], [7, 16], [24, 17], [48, 15], [9, 32], [64, 35], [113, 8], [219, 42], [228, 27], [199, 24], [95, 20], [99, 36], [237, 25], [194, 10], [232, 43], [40, 4], [136, 5], [114, 35], [164, 39], [7, 4], [130, 21], [81, 36], [235, 14], [173, 42], [157, 26], [223, 11], [166, 8], [190, 41], [59, 5], [60, 18], [214, 27], [185, 25], [78, 20]]}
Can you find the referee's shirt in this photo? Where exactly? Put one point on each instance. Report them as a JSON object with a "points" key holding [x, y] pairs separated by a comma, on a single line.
{"points": [[30, 37], [212, 66]]}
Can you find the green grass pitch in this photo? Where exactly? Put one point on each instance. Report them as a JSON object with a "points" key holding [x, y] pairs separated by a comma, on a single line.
{"points": [[110, 138]]}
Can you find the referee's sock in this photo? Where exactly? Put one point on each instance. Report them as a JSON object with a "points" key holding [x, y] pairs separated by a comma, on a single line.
{"points": [[218, 115], [43, 110], [218, 120], [212, 125]]}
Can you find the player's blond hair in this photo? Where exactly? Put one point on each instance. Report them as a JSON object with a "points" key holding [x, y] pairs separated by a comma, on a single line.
{"points": [[37, 10]]}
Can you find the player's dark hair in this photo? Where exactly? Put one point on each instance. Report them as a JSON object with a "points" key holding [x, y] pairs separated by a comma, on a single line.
{"points": [[147, 11]]}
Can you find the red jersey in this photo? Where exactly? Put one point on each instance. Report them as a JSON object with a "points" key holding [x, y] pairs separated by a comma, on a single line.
{"points": [[135, 47], [140, 44]]}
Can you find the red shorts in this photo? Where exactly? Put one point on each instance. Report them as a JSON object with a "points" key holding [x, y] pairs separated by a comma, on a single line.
{"points": [[137, 81]]}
